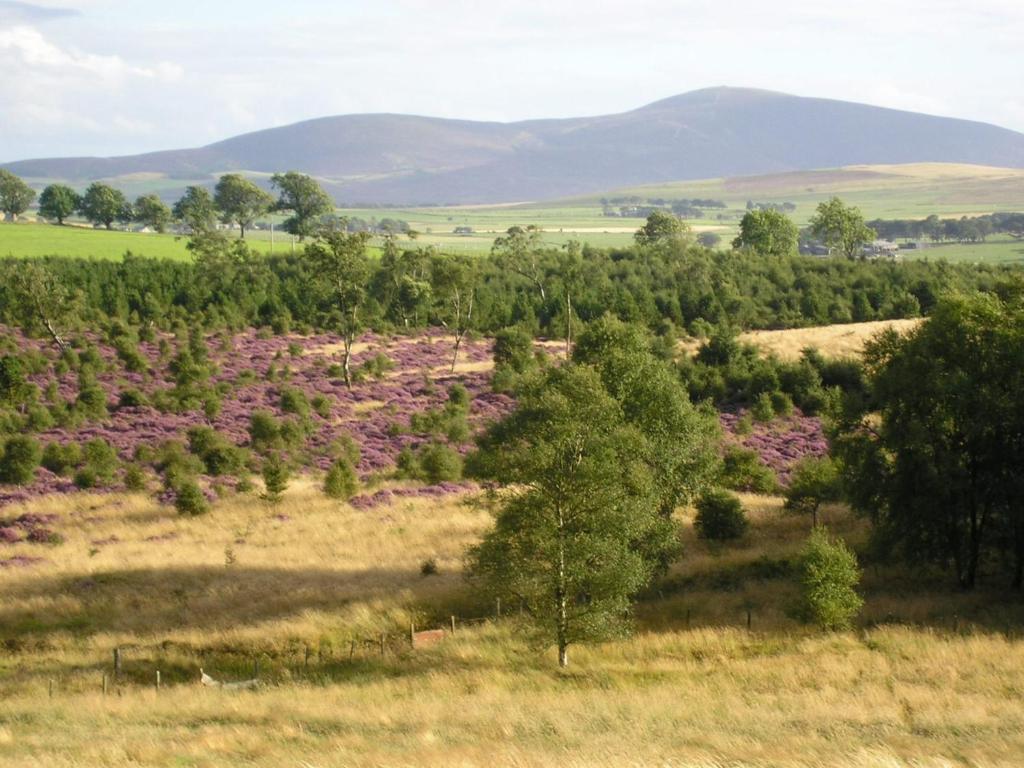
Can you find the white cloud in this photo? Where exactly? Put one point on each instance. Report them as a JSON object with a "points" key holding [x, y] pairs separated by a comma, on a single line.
{"points": [[110, 74]]}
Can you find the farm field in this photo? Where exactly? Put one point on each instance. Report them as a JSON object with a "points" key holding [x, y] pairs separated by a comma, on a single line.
{"points": [[908, 191]]}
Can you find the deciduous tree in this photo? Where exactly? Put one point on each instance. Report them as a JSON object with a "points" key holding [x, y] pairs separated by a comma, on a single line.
{"points": [[767, 233], [575, 501], [841, 227], [15, 195], [152, 212], [102, 204], [196, 210], [57, 202], [305, 199], [240, 201]]}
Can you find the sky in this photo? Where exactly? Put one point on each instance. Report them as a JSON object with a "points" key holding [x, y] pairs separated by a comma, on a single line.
{"points": [[112, 77]]}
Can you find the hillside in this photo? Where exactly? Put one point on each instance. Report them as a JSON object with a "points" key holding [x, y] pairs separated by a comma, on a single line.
{"points": [[717, 132]]}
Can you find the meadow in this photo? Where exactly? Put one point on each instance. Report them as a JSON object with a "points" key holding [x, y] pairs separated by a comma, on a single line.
{"points": [[316, 597], [905, 191]]}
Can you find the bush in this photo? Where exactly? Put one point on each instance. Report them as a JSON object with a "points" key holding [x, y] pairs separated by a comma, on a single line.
{"points": [[134, 478], [429, 567], [341, 481], [132, 398], [92, 402], [275, 478], [321, 406], [513, 349], [440, 463], [20, 459], [763, 409], [264, 431], [377, 366], [61, 459], [814, 481], [294, 401], [830, 578], [743, 470], [101, 459], [190, 500], [720, 516]]}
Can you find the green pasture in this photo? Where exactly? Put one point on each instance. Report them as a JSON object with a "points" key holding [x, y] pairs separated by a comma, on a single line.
{"points": [[909, 191]]}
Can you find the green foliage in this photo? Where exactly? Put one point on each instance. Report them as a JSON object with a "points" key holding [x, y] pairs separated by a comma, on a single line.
{"points": [[275, 478], [720, 516], [304, 199], [743, 470], [152, 212], [440, 463], [102, 204], [768, 233], [812, 482], [57, 202], [378, 366], [61, 459], [190, 500], [294, 401], [681, 440], [20, 459], [100, 459], [575, 502], [763, 408], [218, 454], [830, 576], [341, 481], [662, 228], [264, 431], [196, 210], [134, 478], [841, 227], [240, 201], [934, 452], [15, 195]]}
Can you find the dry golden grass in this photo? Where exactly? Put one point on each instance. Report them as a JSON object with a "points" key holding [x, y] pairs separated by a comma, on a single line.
{"points": [[846, 340], [242, 581]]}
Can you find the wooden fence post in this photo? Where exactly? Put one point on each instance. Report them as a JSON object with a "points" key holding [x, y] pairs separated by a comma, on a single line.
{"points": [[117, 663], [453, 625], [351, 650], [748, 619], [104, 683], [158, 680], [497, 607], [382, 645], [412, 634]]}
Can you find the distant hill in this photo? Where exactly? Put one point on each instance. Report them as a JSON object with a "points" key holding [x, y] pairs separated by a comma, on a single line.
{"points": [[716, 132]]}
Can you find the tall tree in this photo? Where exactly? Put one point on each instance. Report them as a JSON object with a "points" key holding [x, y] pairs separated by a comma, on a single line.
{"points": [[43, 301], [841, 227], [767, 233], [574, 501], [57, 202], [453, 281], [938, 461], [240, 201], [339, 260], [15, 195], [196, 210], [684, 439], [305, 199], [102, 204], [519, 251], [152, 212], [661, 228]]}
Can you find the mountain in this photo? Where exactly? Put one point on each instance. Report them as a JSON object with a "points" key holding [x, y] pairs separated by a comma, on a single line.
{"points": [[405, 160]]}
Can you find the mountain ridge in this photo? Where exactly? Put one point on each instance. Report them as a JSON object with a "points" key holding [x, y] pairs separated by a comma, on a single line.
{"points": [[396, 159]]}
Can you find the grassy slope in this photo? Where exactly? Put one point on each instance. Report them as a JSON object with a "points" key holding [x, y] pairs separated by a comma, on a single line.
{"points": [[249, 579], [910, 191]]}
